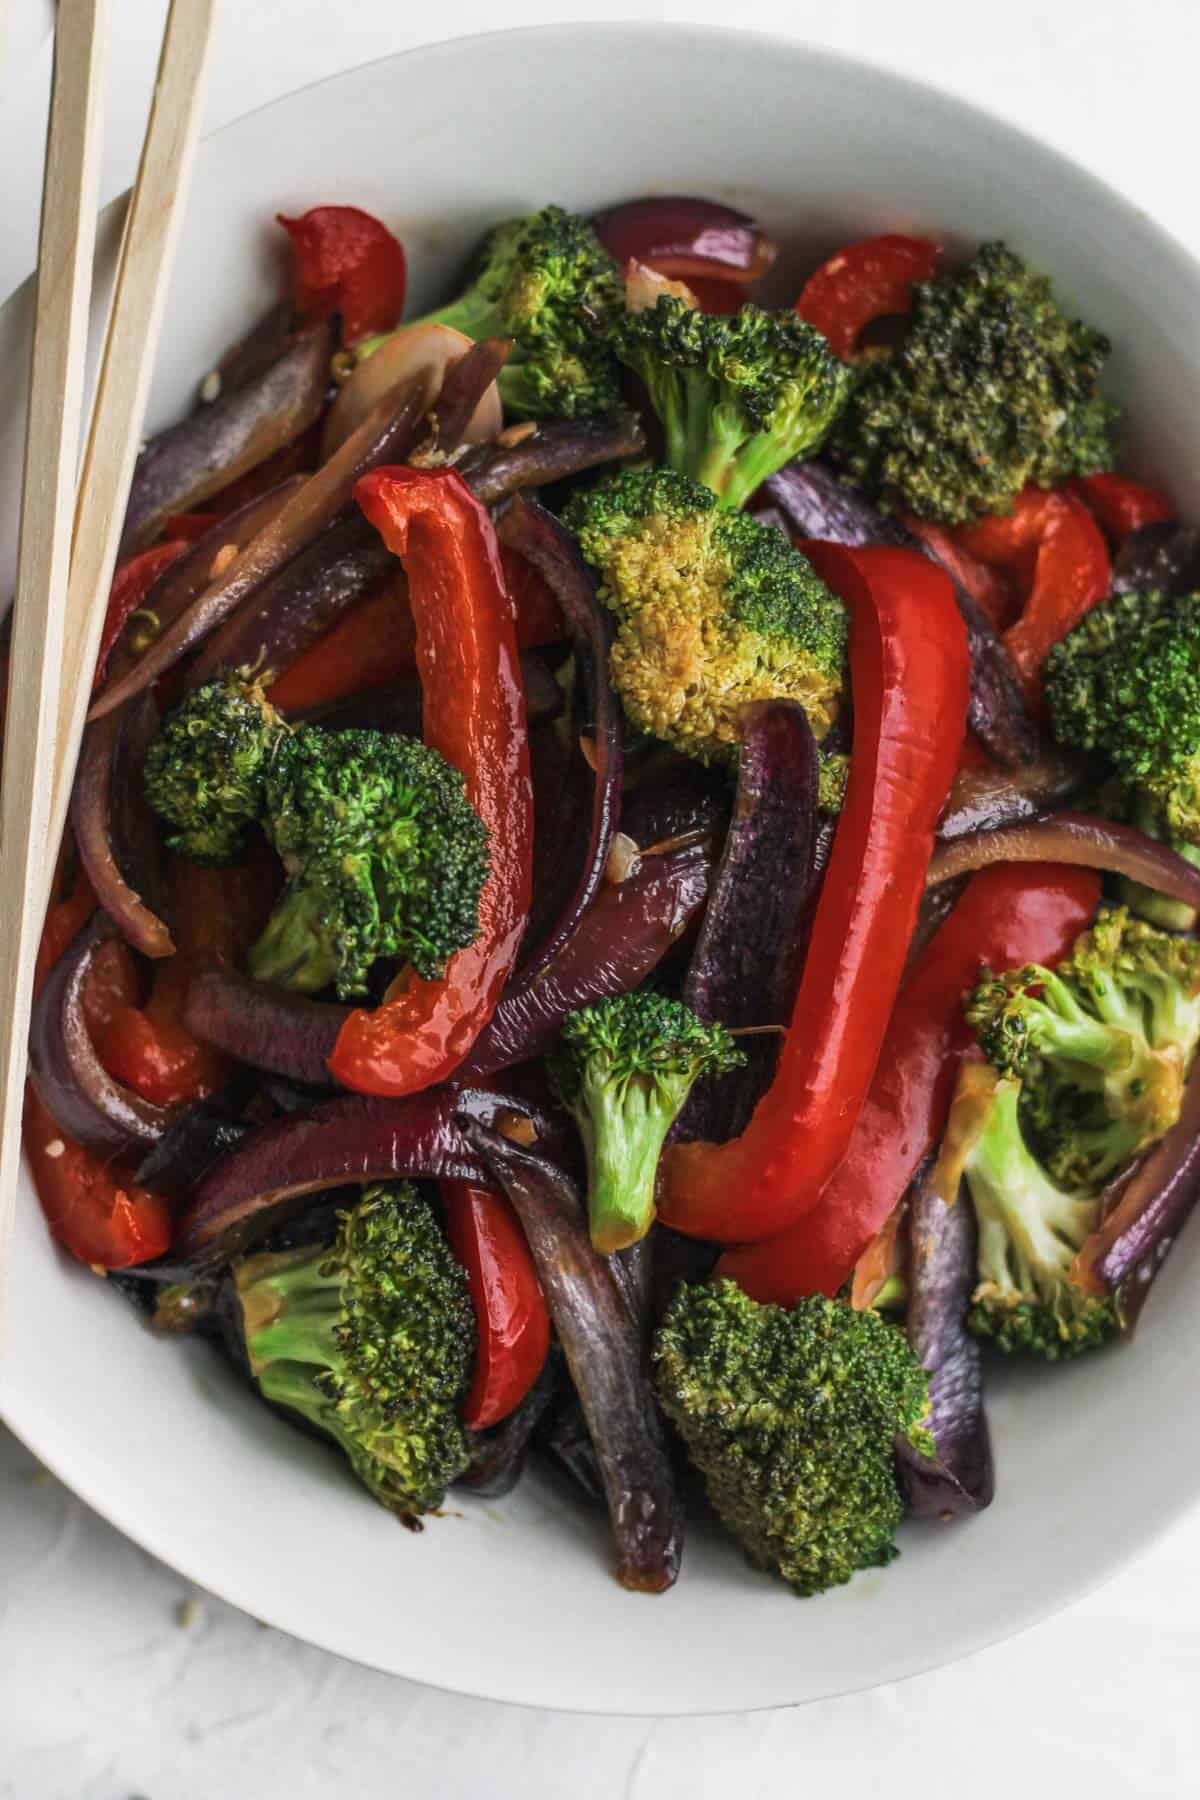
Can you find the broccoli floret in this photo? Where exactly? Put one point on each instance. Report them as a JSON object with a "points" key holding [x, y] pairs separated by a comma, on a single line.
{"points": [[625, 1067], [791, 1416], [1126, 683], [205, 770], [548, 283], [1102, 1043], [385, 855], [371, 1340], [737, 395], [1031, 1229], [713, 610], [991, 388]]}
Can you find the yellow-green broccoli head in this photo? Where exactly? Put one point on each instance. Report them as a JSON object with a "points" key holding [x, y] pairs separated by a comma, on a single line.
{"points": [[713, 610]]}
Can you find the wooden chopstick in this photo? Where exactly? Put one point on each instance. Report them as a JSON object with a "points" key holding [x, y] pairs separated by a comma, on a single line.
{"points": [[48, 741], [66, 246], [151, 233]]}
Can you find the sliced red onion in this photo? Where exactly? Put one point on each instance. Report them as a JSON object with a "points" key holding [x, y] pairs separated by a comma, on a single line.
{"points": [[604, 1352], [267, 1027], [182, 468], [941, 1277], [818, 505], [465, 384], [183, 580], [123, 866], [1070, 837], [266, 339], [498, 1454], [72, 1083], [550, 453], [350, 1139], [746, 964], [687, 238], [535, 534], [387, 434], [278, 622], [984, 799], [622, 937]]}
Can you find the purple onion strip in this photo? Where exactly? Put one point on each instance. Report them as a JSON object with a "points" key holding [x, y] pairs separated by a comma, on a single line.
{"points": [[350, 1139], [183, 467], [75, 1088], [619, 940], [535, 534], [941, 1277], [746, 965], [387, 434], [1079, 838], [603, 1348]]}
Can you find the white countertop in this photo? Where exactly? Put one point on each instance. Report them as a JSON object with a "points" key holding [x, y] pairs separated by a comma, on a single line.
{"points": [[117, 1682]]}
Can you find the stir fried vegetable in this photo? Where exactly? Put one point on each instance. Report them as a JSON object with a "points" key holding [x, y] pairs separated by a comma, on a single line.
{"points": [[707, 1040]]}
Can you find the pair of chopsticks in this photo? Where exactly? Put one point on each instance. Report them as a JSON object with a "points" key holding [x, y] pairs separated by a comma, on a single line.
{"points": [[70, 527]]}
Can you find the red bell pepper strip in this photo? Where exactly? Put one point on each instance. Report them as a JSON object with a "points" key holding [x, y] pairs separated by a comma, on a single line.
{"points": [[65, 919], [376, 641], [190, 526], [474, 714], [1120, 506], [510, 1308], [147, 1049], [347, 262], [1008, 915], [908, 667], [865, 281], [985, 585], [1052, 547], [94, 1208], [96, 1211], [217, 913], [131, 583], [371, 644]]}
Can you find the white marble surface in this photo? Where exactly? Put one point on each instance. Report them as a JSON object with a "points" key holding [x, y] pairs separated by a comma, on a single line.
{"points": [[116, 1682]]}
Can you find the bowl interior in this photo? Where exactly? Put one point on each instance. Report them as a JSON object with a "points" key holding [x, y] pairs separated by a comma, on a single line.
{"points": [[511, 1599]]}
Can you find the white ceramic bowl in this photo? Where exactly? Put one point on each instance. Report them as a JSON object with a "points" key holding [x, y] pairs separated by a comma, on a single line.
{"points": [[513, 1600]]}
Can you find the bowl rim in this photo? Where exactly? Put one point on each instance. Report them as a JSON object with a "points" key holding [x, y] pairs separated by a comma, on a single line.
{"points": [[677, 32]]}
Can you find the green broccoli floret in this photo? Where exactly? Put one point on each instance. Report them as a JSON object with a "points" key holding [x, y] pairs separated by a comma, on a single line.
{"points": [[625, 1067], [371, 1339], [1102, 1043], [991, 388], [548, 283], [791, 1417], [385, 855], [713, 610], [1126, 685], [205, 770], [738, 395], [1030, 1297]]}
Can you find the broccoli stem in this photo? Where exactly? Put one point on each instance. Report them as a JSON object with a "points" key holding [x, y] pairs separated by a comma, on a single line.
{"points": [[290, 1315], [471, 313], [626, 1126], [1158, 909], [294, 950], [1029, 1228]]}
